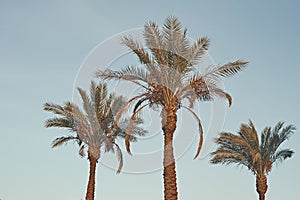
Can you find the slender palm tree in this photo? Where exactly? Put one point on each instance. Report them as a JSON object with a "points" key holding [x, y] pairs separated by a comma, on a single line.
{"points": [[169, 77], [245, 149], [92, 127]]}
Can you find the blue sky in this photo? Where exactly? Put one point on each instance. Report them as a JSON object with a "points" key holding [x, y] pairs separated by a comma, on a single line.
{"points": [[43, 44]]}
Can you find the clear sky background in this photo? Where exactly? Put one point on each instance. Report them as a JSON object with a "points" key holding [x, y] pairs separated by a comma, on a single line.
{"points": [[43, 43]]}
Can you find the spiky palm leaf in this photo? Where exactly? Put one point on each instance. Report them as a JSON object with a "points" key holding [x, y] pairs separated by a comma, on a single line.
{"points": [[246, 149], [94, 125]]}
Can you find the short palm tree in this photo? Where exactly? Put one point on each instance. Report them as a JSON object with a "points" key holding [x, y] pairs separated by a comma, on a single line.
{"points": [[169, 77], [93, 128], [245, 149]]}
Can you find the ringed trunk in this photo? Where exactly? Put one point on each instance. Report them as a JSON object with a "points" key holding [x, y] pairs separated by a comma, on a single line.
{"points": [[261, 185], [169, 119], [90, 193]]}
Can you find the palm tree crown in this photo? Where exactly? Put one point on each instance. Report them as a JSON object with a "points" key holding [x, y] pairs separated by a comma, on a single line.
{"points": [[247, 150], [94, 127], [169, 75]]}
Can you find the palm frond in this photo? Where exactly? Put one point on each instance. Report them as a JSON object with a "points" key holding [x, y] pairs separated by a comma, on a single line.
{"points": [[130, 128], [54, 108], [93, 91], [218, 92], [119, 157], [171, 33], [226, 70], [62, 122], [197, 50], [117, 104], [154, 41], [124, 107], [136, 106], [133, 74], [87, 104], [278, 136], [82, 150], [249, 134], [233, 142], [286, 132], [138, 49], [281, 155], [203, 89], [200, 143], [223, 156], [265, 137], [63, 140]]}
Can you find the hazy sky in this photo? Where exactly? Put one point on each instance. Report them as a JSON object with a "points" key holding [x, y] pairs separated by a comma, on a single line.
{"points": [[43, 44]]}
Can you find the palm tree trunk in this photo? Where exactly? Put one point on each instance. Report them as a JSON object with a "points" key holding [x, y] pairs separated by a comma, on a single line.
{"points": [[261, 185], [169, 119], [90, 193]]}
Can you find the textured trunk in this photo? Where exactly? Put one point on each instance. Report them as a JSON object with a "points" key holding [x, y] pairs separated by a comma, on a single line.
{"points": [[261, 185], [90, 193], [169, 119]]}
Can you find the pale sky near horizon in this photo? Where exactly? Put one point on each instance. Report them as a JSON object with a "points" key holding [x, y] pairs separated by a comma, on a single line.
{"points": [[43, 44]]}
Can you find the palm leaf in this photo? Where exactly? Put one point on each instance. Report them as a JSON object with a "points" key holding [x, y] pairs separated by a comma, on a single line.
{"points": [[82, 150], [226, 70], [119, 157], [61, 122], [200, 143], [63, 140], [154, 41], [197, 50], [281, 155]]}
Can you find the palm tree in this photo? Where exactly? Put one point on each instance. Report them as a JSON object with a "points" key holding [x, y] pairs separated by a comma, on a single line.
{"points": [[92, 128], [245, 149], [169, 77]]}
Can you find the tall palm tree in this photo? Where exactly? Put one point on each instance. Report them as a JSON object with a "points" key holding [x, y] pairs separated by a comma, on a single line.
{"points": [[93, 127], [169, 77], [245, 149]]}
